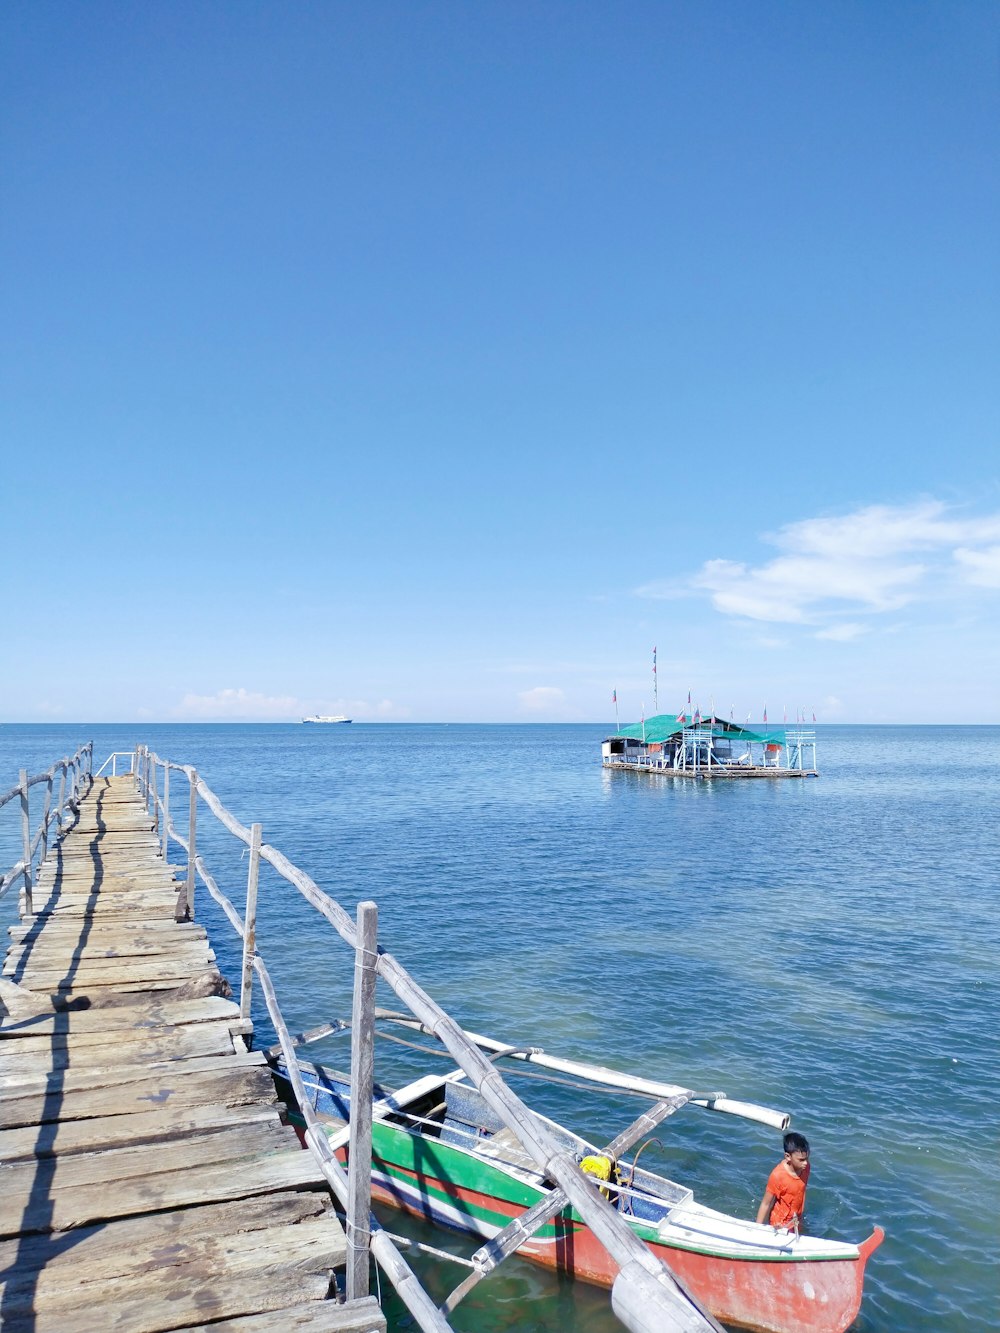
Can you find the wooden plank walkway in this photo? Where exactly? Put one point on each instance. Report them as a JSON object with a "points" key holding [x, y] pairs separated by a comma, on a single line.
{"points": [[148, 1180]]}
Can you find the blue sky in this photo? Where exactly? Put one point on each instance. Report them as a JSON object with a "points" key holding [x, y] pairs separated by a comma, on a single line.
{"points": [[436, 361]]}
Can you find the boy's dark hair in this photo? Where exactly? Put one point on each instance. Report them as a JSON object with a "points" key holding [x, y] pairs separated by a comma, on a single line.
{"points": [[795, 1142]]}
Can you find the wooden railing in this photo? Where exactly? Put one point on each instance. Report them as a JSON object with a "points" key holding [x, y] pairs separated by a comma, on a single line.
{"points": [[76, 773], [645, 1296]]}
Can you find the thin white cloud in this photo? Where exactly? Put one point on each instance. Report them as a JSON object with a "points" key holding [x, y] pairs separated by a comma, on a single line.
{"points": [[842, 633], [542, 699], [980, 567], [877, 559], [238, 704]]}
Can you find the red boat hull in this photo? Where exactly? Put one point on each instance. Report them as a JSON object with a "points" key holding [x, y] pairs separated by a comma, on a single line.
{"points": [[780, 1295]]}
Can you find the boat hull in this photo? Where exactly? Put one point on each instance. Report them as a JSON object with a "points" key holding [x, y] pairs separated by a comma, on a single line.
{"points": [[772, 1289], [779, 1295]]}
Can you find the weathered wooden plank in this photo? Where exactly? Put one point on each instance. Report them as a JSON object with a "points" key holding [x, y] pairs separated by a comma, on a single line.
{"points": [[119, 1131], [123, 1076], [222, 1085], [63, 1173], [119, 1248], [112, 880], [50, 953], [34, 1056], [178, 1307], [68, 1208], [313, 1245], [147, 1011], [358, 1317], [98, 931], [134, 904], [98, 987], [113, 971]]}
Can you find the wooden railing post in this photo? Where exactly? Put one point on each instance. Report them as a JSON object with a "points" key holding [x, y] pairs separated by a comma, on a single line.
{"points": [[26, 842], [359, 1182], [46, 813], [192, 823], [166, 807], [250, 923], [62, 798], [152, 795]]}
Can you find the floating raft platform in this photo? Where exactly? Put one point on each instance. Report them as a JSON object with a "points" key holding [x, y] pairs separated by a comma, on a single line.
{"points": [[671, 746], [150, 1179]]}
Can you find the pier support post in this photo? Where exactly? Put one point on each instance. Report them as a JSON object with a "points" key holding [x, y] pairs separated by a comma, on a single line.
{"points": [[362, 1080], [46, 814], [62, 799], [250, 923], [188, 913], [166, 809], [26, 842], [152, 795]]}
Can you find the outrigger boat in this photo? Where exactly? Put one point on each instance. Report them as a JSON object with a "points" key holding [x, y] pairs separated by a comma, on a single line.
{"points": [[442, 1153]]}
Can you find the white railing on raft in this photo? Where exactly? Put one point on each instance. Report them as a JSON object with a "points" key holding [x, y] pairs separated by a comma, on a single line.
{"points": [[77, 774]]}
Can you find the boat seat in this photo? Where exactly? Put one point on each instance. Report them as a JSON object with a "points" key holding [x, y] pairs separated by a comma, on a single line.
{"points": [[505, 1146]]}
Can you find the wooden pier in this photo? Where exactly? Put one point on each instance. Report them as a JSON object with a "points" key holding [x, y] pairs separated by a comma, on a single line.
{"points": [[149, 1180]]}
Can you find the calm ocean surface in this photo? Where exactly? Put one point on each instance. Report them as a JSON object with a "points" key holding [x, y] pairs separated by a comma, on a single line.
{"points": [[829, 947]]}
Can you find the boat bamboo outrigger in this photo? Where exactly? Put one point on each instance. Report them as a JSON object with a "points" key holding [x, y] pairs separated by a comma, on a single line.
{"points": [[440, 1151]]}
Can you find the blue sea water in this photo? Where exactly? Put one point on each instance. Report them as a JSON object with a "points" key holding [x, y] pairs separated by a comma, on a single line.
{"points": [[826, 946]]}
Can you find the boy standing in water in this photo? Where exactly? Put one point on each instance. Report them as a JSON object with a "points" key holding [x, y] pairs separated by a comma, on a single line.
{"points": [[784, 1199]]}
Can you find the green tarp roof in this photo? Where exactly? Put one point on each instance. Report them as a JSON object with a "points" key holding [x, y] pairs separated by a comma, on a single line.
{"points": [[663, 726]]}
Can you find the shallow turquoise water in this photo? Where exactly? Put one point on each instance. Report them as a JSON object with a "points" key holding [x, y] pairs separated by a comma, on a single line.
{"points": [[829, 947]]}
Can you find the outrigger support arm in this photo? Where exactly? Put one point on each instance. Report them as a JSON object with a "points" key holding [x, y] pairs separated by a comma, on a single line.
{"points": [[522, 1228], [611, 1078]]}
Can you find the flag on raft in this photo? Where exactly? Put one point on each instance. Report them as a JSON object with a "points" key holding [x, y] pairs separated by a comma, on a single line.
{"points": [[765, 715], [614, 696], [697, 716], [682, 717]]}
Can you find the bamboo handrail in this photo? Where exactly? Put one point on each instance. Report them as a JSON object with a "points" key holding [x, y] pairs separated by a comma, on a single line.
{"points": [[80, 765], [390, 1260]]}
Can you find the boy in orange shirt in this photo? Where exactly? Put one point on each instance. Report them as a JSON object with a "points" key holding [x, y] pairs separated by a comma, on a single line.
{"points": [[784, 1199]]}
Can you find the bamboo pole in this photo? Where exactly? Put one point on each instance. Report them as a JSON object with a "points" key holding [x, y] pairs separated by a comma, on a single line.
{"points": [[389, 1259], [359, 1202], [26, 842], [192, 826], [62, 798], [166, 810], [612, 1078], [521, 1228], [154, 806], [46, 815], [667, 1304], [250, 922]]}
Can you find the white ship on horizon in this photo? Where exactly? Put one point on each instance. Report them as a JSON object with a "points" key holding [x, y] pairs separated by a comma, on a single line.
{"points": [[320, 717]]}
